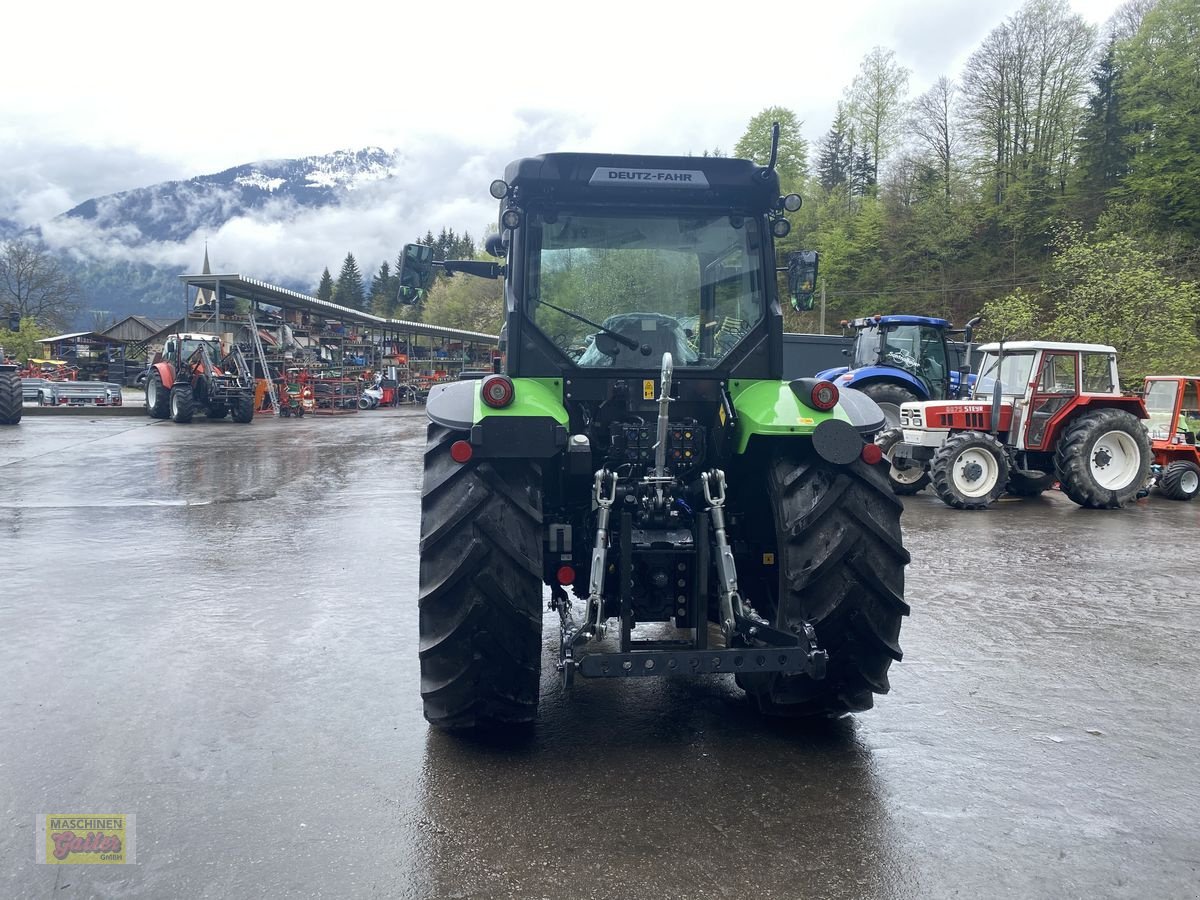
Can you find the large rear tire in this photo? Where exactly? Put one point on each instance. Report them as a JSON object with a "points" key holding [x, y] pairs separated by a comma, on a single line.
{"points": [[182, 407], [1180, 480], [890, 396], [481, 588], [911, 480], [969, 470], [158, 398], [841, 568], [1103, 459], [10, 398]]}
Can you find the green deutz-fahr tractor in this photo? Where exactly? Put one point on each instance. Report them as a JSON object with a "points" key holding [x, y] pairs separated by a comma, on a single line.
{"points": [[641, 455]]}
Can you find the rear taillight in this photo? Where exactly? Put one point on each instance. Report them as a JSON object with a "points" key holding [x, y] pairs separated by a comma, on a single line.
{"points": [[460, 451], [824, 395], [497, 391], [871, 454]]}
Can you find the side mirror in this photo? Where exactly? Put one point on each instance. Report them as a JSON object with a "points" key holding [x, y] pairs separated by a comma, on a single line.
{"points": [[416, 273], [802, 278], [495, 246], [969, 329]]}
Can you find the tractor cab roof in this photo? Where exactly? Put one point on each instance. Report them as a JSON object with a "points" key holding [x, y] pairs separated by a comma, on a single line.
{"points": [[642, 180], [876, 321], [1015, 346]]}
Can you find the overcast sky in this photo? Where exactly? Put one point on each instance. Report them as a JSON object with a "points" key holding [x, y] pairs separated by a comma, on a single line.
{"points": [[111, 96]]}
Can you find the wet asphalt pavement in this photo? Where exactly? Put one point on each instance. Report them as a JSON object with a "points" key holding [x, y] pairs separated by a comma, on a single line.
{"points": [[214, 627]]}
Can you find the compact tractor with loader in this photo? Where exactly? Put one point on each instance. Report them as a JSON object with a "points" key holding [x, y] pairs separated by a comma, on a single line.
{"points": [[1041, 413], [641, 456], [1173, 405], [191, 373]]}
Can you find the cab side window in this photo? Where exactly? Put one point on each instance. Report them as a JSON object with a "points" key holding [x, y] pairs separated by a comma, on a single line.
{"points": [[1058, 374]]}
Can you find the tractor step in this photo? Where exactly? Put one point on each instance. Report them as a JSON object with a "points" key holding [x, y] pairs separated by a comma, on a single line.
{"points": [[643, 663]]}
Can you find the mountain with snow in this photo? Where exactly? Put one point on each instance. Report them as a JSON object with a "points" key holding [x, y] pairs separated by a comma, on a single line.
{"points": [[175, 210]]}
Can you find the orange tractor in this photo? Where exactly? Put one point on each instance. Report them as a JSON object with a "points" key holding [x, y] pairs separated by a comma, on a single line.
{"points": [[1173, 403], [191, 373]]}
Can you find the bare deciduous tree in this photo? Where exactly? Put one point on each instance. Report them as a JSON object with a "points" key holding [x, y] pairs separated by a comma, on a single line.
{"points": [[35, 285], [932, 122], [876, 102]]}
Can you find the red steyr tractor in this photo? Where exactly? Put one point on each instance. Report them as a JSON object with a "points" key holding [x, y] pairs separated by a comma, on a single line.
{"points": [[1041, 412], [1173, 404], [191, 373]]}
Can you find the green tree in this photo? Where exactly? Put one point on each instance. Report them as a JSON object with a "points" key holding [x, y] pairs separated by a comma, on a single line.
{"points": [[462, 301], [1162, 109], [1013, 317], [755, 144], [20, 345], [349, 288], [1117, 289], [325, 288]]}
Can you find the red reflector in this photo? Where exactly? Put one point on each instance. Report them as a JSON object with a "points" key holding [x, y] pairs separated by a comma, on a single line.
{"points": [[871, 454], [566, 575], [824, 395], [497, 391], [460, 451]]}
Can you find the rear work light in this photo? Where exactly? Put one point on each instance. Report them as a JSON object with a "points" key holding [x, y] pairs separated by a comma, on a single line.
{"points": [[824, 395], [497, 391]]}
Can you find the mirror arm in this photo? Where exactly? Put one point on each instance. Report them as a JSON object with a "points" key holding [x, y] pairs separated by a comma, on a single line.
{"points": [[476, 267]]}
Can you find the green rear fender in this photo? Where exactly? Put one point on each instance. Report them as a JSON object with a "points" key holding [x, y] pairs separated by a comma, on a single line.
{"points": [[532, 397], [772, 408]]}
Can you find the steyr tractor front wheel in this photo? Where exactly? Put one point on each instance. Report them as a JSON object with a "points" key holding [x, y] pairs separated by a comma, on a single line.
{"points": [[970, 470], [158, 398], [480, 587], [909, 480], [11, 398], [182, 407], [1103, 459], [1180, 480], [890, 396], [840, 563]]}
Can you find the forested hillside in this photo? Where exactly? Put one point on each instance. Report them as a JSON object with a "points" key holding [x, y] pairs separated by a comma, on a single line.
{"points": [[1052, 184]]}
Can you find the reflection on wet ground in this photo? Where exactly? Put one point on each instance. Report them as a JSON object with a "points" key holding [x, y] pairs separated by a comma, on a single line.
{"points": [[213, 627]]}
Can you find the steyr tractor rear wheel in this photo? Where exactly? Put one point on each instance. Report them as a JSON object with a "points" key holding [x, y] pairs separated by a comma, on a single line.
{"points": [[243, 410], [158, 398], [840, 565], [1028, 485], [1180, 480], [911, 480], [182, 407], [10, 398], [1103, 459], [481, 587], [890, 396], [970, 470]]}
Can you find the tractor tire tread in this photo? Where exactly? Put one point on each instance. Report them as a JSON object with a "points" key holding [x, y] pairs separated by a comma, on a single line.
{"points": [[11, 398], [480, 602], [1072, 464]]}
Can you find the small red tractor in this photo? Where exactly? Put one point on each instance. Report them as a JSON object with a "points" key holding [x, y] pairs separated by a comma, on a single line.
{"points": [[1173, 404], [191, 373], [1041, 412]]}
